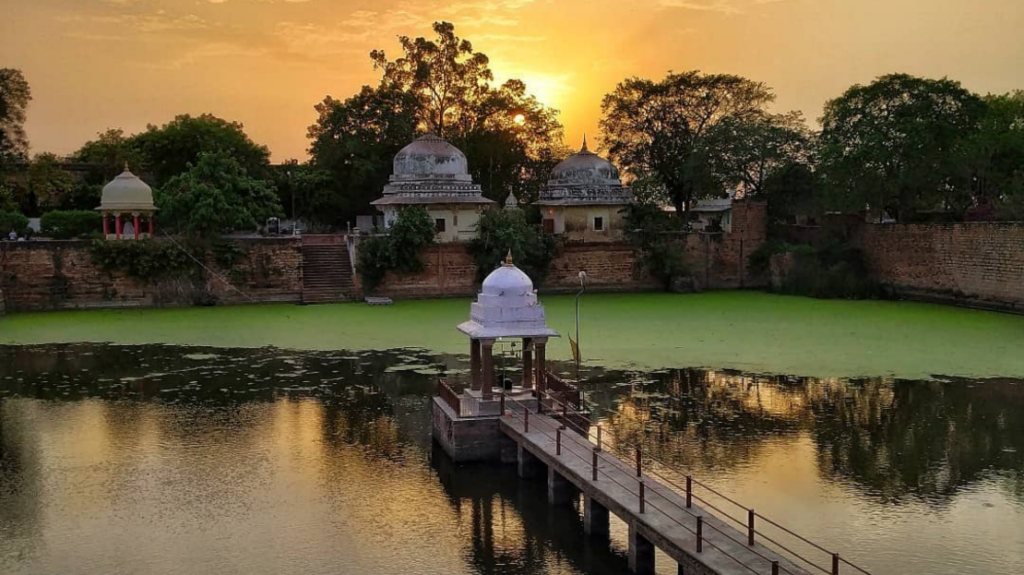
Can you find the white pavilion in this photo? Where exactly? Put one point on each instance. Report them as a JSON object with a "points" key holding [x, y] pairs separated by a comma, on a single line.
{"points": [[128, 200]]}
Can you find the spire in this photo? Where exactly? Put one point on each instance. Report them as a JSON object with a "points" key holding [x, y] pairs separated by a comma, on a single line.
{"points": [[511, 203], [508, 258], [126, 165], [584, 144]]}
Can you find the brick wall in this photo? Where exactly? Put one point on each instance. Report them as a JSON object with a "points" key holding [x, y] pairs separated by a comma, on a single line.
{"points": [[975, 263], [43, 275]]}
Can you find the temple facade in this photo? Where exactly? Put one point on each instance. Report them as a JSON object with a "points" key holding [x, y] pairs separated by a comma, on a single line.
{"points": [[434, 174], [584, 199], [127, 206]]}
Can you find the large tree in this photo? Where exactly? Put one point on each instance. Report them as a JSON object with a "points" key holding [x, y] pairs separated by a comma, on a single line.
{"points": [[662, 132], [750, 151], [14, 98], [48, 181], [167, 150], [109, 153], [217, 195], [992, 162], [892, 145]]}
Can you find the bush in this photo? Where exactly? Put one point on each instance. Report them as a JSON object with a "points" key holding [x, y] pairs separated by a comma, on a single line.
{"points": [[833, 271], [13, 221], [65, 225], [500, 231], [658, 237], [145, 260], [398, 250]]}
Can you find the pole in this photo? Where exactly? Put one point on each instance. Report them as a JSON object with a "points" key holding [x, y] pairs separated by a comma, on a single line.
{"points": [[641, 496], [700, 533], [558, 441], [583, 288], [689, 491], [750, 527]]}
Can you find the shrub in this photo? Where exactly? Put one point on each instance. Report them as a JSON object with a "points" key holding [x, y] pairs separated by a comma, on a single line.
{"points": [[13, 221], [65, 225], [145, 260], [834, 271], [500, 231], [398, 250], [658, 237]]}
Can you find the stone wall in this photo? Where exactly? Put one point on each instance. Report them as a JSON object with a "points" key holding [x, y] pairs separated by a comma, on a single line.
{"points": [[44, 275], [978, 264]]}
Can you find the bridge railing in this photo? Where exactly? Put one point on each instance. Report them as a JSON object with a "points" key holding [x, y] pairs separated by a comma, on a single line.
{"points": [[564, 391], [750, 526], [448, 395]]}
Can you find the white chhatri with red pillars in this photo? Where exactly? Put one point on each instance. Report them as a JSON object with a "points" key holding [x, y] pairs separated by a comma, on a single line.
{"points": [[127, 196]]}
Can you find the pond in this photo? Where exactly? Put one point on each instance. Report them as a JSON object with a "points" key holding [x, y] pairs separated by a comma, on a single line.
{"points": [[165, 460]]}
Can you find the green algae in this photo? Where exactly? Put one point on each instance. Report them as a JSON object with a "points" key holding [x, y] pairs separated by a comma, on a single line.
{"points": [[750, 331]]}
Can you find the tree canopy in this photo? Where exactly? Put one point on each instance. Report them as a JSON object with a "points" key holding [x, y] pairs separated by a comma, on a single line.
{"points": [[669, 133], [893, 144], [215, 195], [15, 95]]}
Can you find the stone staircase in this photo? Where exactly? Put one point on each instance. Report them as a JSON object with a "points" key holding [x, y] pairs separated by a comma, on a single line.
{"points": [[326, 270]]}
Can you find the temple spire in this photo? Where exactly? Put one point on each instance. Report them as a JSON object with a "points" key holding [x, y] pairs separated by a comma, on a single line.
{"points": [[508, 258], [584, 144]]}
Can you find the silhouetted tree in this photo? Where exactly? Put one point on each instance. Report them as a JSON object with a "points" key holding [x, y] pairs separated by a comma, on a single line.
{"points": [[14, 98]]}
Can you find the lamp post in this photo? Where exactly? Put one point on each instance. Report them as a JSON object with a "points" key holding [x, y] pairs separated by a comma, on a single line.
{"points": [[583, 288]]}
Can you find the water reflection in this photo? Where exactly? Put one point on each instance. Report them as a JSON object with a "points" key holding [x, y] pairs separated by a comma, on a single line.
{"points": [[268, 461]]}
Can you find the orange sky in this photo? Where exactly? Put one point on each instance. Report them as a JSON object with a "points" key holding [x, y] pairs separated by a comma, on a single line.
{"points": [[94, 64]]}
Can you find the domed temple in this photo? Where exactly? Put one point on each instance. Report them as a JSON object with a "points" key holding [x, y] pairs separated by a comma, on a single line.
{"points": [[127, 196], [584, 198], [432, 173]]}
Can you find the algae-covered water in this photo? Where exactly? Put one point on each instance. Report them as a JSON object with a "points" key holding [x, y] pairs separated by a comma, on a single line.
{"points": [[750, 331]]}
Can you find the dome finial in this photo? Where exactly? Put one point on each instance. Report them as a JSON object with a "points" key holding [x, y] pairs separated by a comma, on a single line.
{"points": [[126, 165], [508, 259], [584, 144]]}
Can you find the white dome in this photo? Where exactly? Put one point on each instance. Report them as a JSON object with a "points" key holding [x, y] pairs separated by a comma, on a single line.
{"points": [[507, 307], [586, 166], [430, 157], [127, 193], [507, 280]]}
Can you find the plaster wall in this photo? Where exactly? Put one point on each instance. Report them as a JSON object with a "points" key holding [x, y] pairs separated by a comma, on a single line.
{"points": [[459, 220], [577, 223]]}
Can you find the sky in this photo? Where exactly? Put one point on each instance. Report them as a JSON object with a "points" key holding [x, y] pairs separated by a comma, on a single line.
{"points": [[98, 64]]}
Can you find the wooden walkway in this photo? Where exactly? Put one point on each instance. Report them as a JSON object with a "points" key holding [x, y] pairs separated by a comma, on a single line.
{"points": [[666, 521]]}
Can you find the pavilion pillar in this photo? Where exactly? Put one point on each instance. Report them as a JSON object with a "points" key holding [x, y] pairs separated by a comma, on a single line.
{"points": [[474, 365], [151, 218], [106, 225], [527, 363], [488, 366], [540, 344], [135, 227], [117, 225]]}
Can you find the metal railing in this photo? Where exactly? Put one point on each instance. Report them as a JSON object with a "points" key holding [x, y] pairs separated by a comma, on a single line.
{"points": [[750, 525], [448, 395]]}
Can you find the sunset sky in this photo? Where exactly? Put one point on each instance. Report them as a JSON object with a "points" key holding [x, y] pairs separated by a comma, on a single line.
{"points": [[96, 64]]}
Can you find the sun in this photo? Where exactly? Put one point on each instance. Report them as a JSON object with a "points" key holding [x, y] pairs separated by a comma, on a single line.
{"points": [[520, 119]]}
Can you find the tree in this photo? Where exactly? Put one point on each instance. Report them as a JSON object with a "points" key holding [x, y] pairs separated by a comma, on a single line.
{"points": [[992, 162], [217, 195], [892, 144], [14, 98], [356, 141], [398, 250], [659, 239], [502, 231], [168, 150], [750, 151], [110, 152], [792, 190], [663, 131], [48, 181]]}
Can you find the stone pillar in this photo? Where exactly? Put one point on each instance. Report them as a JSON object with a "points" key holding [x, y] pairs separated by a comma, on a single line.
{"points": [[474, 365], [117, 225], [135, 227], [641, 553], [527, 462], [560, 490], [488, 367], [542, 377], [106, 225], [527, 363], [595, 517]]}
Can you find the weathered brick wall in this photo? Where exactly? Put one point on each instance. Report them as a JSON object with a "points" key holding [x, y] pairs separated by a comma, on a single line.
{"points": [[610, 266], [43, 275], [449, 271], [974, 263]]}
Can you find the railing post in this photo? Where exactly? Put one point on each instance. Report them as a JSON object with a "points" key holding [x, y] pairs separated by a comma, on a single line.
{"points": [[775, 568], [502, 400], [750, 527], [639, 459], [595, 466], [641, 496], [700, 533], [689, 491], [526, 420], [835, 564], [599, 437], [558, 441]]}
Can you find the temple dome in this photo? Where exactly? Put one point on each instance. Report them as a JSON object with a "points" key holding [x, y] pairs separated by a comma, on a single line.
{"points": [[127, 193], [430, 157], [507, 280], [586, 166], [507, 306]]}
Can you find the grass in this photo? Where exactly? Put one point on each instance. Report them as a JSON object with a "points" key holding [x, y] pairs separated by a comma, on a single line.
{"points": [[750, 331]]}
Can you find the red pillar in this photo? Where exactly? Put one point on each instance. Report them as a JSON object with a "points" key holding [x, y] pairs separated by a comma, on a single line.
{"points": [[151, 216], [527, 363], [106, 225], [117, 225], [474, 364], [135, 227], [488, 360]]}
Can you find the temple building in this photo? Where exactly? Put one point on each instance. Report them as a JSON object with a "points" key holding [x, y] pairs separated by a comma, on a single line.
{"points": [[584, 199], [434, 174], [126, 205]]}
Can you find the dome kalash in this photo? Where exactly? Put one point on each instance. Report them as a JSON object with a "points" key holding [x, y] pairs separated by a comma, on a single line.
{"points": [[584, 198], [434, 174], [506, 308], [127, 200]]}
